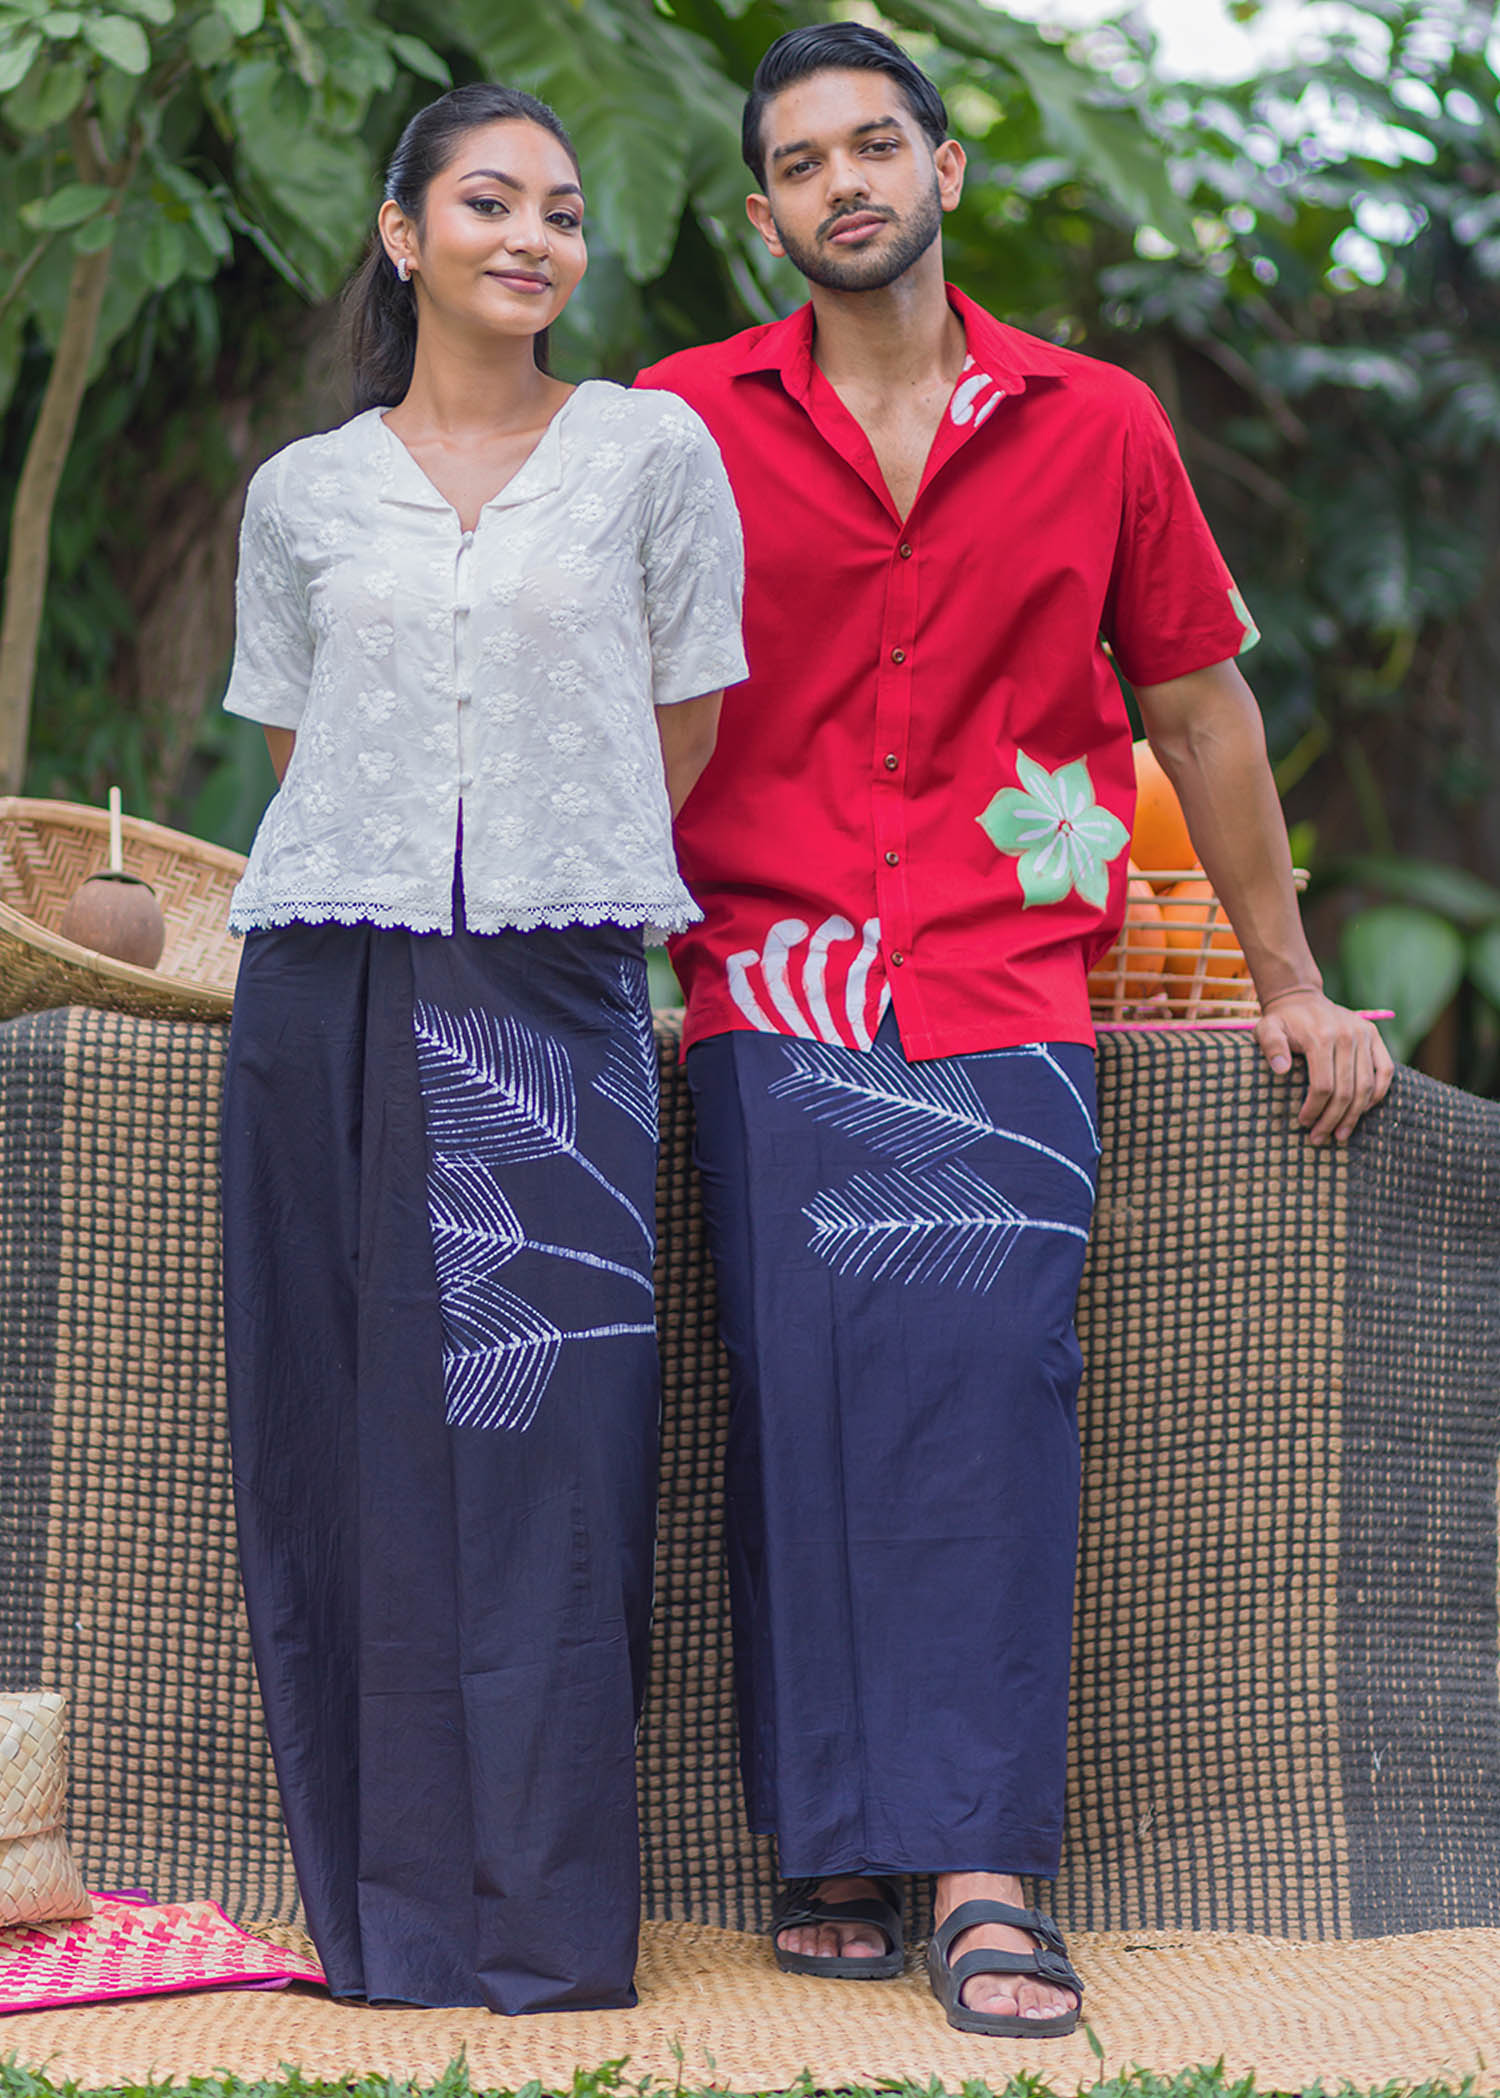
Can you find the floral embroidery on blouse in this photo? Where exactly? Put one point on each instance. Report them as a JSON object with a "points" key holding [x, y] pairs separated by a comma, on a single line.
{"points": [[512, 671]]}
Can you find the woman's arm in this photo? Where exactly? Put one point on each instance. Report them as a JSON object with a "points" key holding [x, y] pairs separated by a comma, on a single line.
{"points": [[687, 731], [281, 742]]}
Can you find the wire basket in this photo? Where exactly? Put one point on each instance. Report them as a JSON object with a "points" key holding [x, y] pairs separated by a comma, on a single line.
{"points": [[1177, 960], [47, 849]]}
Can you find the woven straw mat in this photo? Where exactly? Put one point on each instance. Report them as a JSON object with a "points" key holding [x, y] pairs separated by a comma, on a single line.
{"points": [[1286, 1715], [1411, 2009], [39, 1879]]}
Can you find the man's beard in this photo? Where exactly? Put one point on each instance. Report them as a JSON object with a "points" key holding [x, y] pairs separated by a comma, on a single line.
{"points": [[862, 272]]}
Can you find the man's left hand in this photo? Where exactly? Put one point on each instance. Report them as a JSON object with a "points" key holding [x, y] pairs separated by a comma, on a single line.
{"points": [[1349, 1068]]}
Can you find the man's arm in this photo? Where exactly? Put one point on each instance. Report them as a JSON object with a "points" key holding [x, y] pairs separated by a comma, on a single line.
{"points": [[1206, 729]]}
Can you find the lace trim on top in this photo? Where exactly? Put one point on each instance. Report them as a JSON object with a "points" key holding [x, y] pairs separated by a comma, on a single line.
{"points": [[660, 917]]}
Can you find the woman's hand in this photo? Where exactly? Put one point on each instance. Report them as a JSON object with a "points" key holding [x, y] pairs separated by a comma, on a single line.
{"points": [[688, 732]]}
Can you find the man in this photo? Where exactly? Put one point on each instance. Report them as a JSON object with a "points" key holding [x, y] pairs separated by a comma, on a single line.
{"points": [[909, 846]]}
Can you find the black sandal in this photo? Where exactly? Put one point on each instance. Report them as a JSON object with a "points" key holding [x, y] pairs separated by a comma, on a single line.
{"points": [[1049, 1962], [798, 1903]]}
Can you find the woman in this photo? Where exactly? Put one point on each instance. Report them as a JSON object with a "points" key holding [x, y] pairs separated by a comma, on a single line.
{"points": [[486, 625]]}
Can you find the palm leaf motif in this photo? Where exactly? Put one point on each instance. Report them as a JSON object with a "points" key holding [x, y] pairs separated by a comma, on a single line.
{"points": [[630, 1078], [947, 1227], [500, 1354], [499, 1092], [915, 1112], [499, 1359], [475, 1228]]}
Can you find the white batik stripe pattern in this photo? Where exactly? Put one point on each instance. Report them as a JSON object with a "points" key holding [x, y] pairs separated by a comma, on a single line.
{"points": [[782, 991]]}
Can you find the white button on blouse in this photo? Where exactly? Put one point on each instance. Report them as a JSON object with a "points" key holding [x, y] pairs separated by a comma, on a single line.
{"points": [[513, 668]]}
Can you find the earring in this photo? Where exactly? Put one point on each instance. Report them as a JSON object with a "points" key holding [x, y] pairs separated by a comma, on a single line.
{"points": [[403, 270]]}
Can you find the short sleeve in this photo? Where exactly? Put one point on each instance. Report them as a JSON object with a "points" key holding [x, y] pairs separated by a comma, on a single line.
{"points": [[694, 561], [273, 643], [1172, 605]]}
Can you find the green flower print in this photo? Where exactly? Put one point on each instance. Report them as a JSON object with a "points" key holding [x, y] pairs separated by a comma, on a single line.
{"points": [[1242, 613], [1062, 838]]}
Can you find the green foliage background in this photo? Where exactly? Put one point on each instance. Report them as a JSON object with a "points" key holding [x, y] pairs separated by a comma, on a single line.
{"points": [[1306, 267]]}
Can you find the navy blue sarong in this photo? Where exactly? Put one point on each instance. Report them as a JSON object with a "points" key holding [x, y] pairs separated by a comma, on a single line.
{"points": [[898, 1249], [439, 1172]]}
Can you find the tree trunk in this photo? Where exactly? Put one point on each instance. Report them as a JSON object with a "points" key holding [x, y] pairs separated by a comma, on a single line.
{"points": [[31, 519]]}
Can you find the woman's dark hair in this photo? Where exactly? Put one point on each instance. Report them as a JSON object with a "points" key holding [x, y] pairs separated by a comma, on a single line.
{"points": [[836, 47], [379, 311]]}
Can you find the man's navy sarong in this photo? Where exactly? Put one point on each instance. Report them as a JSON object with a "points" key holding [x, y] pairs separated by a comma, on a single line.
{"points": [[439, 1177], [898, 1248]]}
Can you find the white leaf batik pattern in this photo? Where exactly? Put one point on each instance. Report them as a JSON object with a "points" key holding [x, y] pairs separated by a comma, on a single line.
{"points": [[933, 1219], [501, 1353], [502, 1092], [913, 1112], [944, 1226], [497, 1092], [474, 1224], [630, 1078]]}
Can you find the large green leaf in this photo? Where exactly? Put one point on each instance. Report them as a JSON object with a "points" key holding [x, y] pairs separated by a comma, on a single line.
{"points": [[68, 206], [421, 59], [243, 16], [322, 184], [15, 61], [1299, 368], [1409, 960], [1450, 891], [51, 91], [1484, 962], [120, 41], [164, 252], [1109, 144], [210, 41]]}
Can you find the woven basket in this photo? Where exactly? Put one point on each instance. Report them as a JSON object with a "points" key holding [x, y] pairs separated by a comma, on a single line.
{"points": [[1188, 969], [47, 849]]}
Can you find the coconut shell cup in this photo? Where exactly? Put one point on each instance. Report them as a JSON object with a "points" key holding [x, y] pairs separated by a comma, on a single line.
{"points": [[117, 915]]}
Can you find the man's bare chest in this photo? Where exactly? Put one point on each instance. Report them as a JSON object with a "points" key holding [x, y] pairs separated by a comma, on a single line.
{"points": [[901, 435]]}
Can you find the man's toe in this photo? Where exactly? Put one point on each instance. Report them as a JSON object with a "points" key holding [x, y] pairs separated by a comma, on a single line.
{"points": [[991, 1995]]}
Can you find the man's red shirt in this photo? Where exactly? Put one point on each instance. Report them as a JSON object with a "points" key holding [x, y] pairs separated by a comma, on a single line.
{"points": [[922, 794]]}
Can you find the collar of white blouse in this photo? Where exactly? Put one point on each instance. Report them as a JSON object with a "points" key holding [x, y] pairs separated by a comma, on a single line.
{"points": [[399, 479]]}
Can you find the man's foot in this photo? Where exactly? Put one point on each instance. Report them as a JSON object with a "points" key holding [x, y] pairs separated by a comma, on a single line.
{"points": [[998, 1995], [830, 1941]]}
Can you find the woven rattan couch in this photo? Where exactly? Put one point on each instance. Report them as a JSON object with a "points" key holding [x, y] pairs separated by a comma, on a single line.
{"points": [[1285, 1711]]}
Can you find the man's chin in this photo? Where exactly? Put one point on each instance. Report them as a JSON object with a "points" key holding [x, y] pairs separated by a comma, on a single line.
{"points": [[853, 272]]}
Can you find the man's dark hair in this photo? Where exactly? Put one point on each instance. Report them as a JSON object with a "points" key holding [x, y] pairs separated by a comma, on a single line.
{"points": [[836, 47]]}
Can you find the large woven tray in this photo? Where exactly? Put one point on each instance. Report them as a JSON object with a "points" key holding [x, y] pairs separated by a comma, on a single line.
{"points": [[47, 848]]}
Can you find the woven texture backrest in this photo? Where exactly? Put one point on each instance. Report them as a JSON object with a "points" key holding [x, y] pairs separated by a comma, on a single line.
{"points": [[1286, 1709]]}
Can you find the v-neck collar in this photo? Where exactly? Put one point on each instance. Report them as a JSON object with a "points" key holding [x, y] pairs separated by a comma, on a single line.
{"points": [[998, 363], [400, 479]]}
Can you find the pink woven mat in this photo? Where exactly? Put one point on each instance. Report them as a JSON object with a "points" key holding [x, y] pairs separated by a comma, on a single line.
{"points": [[131, 1948]]}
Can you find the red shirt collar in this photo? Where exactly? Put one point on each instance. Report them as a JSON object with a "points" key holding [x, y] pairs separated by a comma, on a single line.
{"points": [[1008, 354]]}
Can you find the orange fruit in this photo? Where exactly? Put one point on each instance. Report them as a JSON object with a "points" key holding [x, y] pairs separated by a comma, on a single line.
{"points": [[1159, 841], [1211, 959], [1132, 969]]}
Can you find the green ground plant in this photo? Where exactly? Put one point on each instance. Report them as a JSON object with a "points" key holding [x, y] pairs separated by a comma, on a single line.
{"points": [[613, 2080]]}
